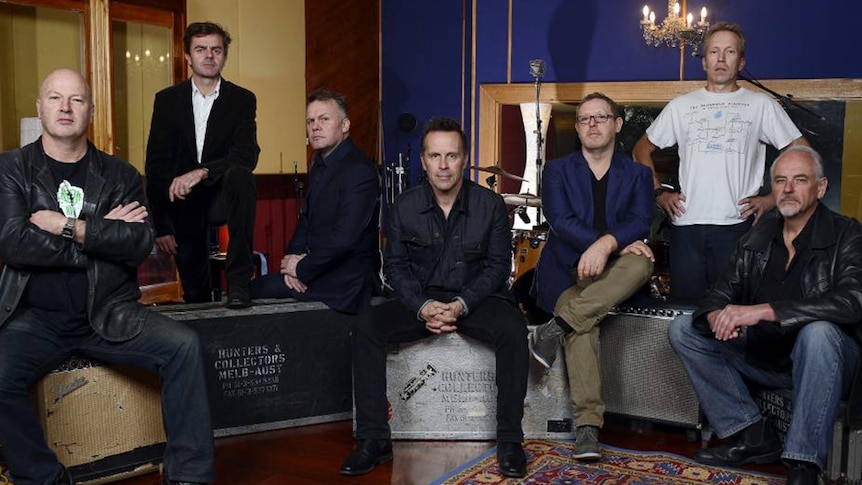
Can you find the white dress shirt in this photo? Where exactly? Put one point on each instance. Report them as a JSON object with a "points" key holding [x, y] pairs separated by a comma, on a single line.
{"points": [[202, 105]]}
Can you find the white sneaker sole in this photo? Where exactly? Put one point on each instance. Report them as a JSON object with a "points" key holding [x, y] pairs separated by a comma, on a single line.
{"points": [[588, 456]]}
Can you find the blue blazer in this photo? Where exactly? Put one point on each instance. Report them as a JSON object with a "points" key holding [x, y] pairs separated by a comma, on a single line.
{"points": [[567, 201]]}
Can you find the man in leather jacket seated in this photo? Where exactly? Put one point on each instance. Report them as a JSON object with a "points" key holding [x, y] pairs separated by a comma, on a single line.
{"points": [[448, 259], [73, 229], [785, 314]]}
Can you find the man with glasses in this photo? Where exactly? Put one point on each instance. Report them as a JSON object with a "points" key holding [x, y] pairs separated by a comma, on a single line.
{"points": [[722, 130], [599, 205]]}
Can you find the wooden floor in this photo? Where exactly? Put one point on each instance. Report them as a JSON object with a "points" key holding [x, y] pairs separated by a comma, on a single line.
{"points": [[312, 455]]}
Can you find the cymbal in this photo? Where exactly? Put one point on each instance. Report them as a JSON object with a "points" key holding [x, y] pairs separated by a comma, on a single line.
{"points": [[529, 200], [498, 171]]}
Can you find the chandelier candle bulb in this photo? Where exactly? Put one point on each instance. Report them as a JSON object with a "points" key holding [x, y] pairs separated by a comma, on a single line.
{"points": [[689, 19], [646, 13], [676, 9]]}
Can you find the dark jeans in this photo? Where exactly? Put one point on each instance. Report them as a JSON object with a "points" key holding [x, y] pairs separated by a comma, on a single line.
{"points": [[231, 200], [494, 321], [699, 255], [32, 343]]}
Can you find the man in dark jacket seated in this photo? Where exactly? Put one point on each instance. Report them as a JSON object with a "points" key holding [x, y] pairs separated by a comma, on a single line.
{"points": [[73, 229], [334, 256], [785, 314], [447, 258]]}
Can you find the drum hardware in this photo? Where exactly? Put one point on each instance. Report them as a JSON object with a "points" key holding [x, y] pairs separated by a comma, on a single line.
{"points": [[521, 211], [528, 200], [491, 181], [498, 171], [396, 177]]}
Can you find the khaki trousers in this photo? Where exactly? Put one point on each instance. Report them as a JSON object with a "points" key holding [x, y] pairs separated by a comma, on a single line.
{"points": [[583, 305]]}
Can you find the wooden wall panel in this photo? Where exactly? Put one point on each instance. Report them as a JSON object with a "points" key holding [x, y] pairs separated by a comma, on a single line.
{"points": [[342, 54]]}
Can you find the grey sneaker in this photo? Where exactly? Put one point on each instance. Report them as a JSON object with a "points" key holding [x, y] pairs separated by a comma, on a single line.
{"points": [[544, 340], [587, 443]]}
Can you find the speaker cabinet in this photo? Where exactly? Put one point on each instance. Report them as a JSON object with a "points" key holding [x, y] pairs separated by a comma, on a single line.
{"points": [[104, 423], [642, 377]]}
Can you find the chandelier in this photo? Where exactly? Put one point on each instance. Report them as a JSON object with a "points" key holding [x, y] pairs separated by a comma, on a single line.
{"points": [[676, 29], [147, 62]]}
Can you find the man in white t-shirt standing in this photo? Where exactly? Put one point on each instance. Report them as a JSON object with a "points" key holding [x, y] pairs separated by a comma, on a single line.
{"points": [[722, 130]]}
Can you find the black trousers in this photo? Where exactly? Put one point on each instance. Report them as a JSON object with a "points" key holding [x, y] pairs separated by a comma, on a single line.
{"points": [[231, 200], [33, 342], [495, 321]]}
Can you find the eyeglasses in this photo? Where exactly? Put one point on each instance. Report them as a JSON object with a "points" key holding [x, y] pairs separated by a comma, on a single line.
{"points": [[598, 119]]}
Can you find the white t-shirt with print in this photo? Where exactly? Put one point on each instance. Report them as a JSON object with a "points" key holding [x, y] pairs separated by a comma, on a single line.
{"points": [[722, 141]]}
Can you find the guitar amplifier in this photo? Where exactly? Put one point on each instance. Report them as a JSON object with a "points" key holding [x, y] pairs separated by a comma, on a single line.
{"points": [[103, 423], [642, 377]]}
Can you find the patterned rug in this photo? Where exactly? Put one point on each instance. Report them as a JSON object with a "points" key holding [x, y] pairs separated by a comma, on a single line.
{"points": [[551, 462]]}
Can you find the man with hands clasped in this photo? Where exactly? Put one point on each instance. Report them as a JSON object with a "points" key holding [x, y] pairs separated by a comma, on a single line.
{"points": [[448, 258], [785, 314]]}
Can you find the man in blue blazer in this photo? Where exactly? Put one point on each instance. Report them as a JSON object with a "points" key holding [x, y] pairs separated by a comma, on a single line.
{"points": [[201, 153], [596, 202], [334, 256]]}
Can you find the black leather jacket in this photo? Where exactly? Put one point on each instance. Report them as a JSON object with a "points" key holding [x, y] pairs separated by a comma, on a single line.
{"points": [[831, 281], [479, 246], [111, 252]]}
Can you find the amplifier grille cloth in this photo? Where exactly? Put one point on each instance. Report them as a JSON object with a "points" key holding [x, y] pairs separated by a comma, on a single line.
{"points": [[641, 374]]}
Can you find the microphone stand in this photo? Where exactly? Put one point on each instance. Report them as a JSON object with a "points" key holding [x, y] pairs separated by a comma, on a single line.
{"points": [[537, 70], [785, 100], [298, 186]]}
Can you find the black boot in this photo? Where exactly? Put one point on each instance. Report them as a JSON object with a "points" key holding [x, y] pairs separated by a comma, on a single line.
{"points": [[802, 473], [754, 444], [366, 455], [511, 459], [63, 478]]}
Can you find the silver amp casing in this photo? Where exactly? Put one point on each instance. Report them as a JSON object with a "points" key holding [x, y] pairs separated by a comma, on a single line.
{"points": [[642, 377]]}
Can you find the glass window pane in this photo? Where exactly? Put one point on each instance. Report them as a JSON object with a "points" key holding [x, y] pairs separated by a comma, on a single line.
{"points": [[141, 68], [33, 42]]}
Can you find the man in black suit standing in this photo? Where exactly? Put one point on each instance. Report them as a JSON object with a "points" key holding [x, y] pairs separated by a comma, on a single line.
{"points": [[200, 157], [334, 255]]}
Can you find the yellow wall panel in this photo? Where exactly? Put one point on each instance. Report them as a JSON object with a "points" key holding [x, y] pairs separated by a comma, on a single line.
{"points": [[267, 56], [851, 169]]}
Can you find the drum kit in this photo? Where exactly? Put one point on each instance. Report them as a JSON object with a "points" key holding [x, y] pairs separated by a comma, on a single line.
{"points": [[527, 245]]}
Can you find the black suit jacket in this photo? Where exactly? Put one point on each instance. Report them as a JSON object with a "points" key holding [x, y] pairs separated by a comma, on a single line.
{"points": [[338, 230], [231, 141]]}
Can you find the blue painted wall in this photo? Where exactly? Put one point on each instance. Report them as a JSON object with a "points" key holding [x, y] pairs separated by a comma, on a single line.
{"points": [[588, 40]]}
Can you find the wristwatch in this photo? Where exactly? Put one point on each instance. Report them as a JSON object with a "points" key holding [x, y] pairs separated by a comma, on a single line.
{"points": [[69, 228]]}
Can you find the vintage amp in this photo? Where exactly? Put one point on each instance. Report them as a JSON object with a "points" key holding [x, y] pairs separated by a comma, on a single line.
{"points": [[103, 423], [642, 377]]}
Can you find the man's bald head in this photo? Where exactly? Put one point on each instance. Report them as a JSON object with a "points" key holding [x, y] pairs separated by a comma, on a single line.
{"points": [[68, 74], [65, 107]]}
